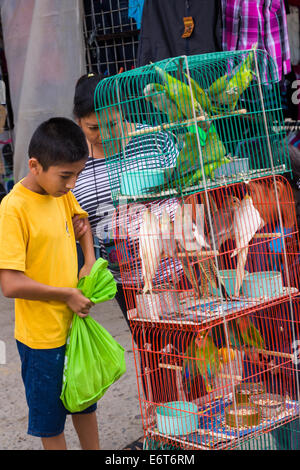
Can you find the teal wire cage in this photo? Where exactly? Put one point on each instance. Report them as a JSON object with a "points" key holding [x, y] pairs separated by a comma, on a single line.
{"points": [[186, 124]]}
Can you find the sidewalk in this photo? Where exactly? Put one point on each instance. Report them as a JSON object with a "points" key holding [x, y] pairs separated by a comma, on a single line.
{"points": [[118, 411]]}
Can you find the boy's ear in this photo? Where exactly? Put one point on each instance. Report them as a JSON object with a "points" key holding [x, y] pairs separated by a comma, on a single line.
{"points": [[34, 165]]}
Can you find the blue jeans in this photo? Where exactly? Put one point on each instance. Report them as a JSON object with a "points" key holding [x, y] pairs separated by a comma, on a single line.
{"points": [[42, 372]]}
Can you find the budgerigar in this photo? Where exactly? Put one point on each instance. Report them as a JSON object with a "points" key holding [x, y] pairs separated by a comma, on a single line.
{"points": [[246, 222], [150, 247]]}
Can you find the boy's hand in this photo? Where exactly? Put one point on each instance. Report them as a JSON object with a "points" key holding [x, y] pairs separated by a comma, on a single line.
{"points": [[80, 226], [78, 303], [86, 269]]}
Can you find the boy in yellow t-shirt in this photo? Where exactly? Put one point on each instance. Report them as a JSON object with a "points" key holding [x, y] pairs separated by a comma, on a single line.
{"points": [[38, 267]]}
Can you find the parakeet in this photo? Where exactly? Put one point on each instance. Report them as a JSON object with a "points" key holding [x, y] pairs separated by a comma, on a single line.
{"points": [[226, 90], [188, 170], [202, 357], [150, 247], [188, 242], [246, 222], [192, 240], [181, 94], [158, 95], [190, 237], [222, 221], [251, 336]]}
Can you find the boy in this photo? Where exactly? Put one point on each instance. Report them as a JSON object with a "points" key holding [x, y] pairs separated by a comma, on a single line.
{"points": [[38, 267]]}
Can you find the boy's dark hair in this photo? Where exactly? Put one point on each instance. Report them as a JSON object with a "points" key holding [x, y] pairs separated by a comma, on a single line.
{"points": [[84, 95], [58, 140]]}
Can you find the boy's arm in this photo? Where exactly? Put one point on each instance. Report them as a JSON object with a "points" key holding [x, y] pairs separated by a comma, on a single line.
{"points": [[87, 245], [15, 284]]}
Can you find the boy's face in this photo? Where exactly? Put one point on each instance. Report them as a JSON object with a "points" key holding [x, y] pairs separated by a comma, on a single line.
{"points": [[57, 180]]}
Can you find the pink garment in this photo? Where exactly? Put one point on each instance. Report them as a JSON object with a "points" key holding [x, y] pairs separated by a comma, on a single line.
{"points": [[246, 22]]}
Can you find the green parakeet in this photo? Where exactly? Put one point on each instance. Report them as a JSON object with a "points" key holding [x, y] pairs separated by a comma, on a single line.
{"points": [[180, 93], [226, 90], [188, 166], [158, 95]]}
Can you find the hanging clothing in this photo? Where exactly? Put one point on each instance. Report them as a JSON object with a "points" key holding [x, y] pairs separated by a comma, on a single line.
{"points": [[257, 21], [135, 11], [163, 26]]}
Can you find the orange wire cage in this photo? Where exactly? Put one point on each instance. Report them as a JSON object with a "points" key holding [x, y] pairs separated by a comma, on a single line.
{"points": [[218, 254], [219, 388]]}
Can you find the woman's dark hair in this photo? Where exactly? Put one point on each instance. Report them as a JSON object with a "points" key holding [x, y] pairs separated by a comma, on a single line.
{"points": [[83, 104], [58, 140]]}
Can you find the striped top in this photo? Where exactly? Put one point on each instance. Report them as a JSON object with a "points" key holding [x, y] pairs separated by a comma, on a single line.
{"points": [[93, 192]]}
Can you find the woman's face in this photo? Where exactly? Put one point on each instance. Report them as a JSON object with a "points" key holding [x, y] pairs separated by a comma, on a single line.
{"points": [[90, 127], [111, 128]]}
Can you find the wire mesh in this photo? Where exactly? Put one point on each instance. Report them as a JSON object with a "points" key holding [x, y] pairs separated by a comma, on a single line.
{"points": [[201, 390], [209, 256], [111, 38], [186, 124]]}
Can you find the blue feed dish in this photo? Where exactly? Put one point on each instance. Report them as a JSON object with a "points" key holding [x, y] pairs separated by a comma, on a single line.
{"points": [[177, 418], [228, 277], [263, 284], [137, 182]]}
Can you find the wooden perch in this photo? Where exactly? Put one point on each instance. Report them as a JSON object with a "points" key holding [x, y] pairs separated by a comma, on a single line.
{"points": [[171, 125], [268, 235], [164, 127], [271, 353]]}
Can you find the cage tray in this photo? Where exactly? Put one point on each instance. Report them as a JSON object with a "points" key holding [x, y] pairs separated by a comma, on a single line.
{"points": [[213, 432]]}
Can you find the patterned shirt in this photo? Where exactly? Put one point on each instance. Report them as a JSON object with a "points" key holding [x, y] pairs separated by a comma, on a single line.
{"points": [[246, 22]]}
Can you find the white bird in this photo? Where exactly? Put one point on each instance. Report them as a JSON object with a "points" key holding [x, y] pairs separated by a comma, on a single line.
{"points": [[150, 247], [190, 236], [167, 234], [246, 222]]}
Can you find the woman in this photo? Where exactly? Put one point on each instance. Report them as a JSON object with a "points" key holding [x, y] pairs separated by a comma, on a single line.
{"points": [[93, 190]]}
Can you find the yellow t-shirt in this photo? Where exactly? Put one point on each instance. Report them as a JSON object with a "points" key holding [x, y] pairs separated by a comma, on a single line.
{"points": [[37, 238]]}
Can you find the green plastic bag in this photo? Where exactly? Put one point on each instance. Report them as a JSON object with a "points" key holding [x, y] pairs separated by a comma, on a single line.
{"points": [[94, 360], [99, 285]]}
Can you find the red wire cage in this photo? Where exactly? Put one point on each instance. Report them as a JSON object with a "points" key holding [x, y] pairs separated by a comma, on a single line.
{"points": [[211, 287]]}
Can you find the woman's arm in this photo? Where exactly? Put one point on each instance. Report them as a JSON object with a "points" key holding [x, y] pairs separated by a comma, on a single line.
{"points": [[15, 284], [87, 245]]}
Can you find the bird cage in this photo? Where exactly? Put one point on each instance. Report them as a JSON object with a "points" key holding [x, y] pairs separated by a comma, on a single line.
{"points": [[220, 387], [187, 124], [211, 255]]}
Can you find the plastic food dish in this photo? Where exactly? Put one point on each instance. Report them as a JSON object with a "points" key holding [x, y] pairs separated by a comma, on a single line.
{"points": [[262, 284], [270, 404], [245, 390], [228, 277], [242, 415], [137, 182], [177, 418]]}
